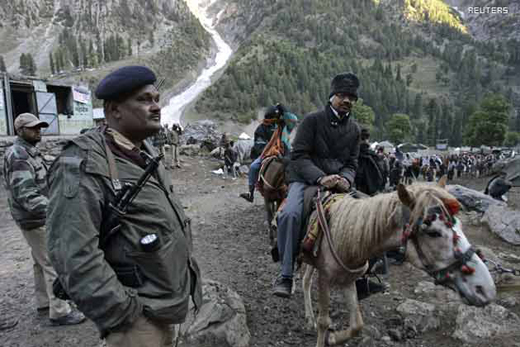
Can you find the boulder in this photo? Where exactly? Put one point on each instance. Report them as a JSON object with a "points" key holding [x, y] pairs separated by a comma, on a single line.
{"points": [[418, 317], [204, 131], [189, 150], [503, 222], [474, 323], [437, 294], [473, 200], [221, 320]]}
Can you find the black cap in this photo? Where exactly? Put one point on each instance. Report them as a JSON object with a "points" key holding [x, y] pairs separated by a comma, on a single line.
{"points": [[274, 111], [347, 83], [124, 80]]}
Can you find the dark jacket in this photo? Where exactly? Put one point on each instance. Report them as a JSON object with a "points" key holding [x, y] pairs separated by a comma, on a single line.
{"points": [[369, 176], [24, 173], [115, 285], [263, 134], [321, 148]]}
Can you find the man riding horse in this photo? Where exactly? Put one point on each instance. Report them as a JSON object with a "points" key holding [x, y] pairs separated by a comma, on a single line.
{"points": [[271, 139], [325, 153]]}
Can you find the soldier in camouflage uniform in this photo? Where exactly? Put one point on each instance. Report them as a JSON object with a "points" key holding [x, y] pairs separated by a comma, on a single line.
{"points": [[134, 293], [25, 173]]}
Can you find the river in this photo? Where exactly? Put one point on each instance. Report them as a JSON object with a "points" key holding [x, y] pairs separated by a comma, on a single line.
{"points": [[173, 111]]}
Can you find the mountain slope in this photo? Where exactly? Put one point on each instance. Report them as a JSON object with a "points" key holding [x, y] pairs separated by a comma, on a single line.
{"points": [[94, 34], [413, 56]]}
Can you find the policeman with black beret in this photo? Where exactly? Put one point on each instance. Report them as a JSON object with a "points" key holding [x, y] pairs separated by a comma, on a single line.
{"points": [[136, 283]]}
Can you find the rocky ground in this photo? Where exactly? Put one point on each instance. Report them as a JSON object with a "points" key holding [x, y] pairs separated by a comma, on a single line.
{"points": [[232, 247]]}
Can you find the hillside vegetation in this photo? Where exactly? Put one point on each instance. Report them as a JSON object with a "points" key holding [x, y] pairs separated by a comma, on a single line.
{"points": [[83, 40], [413, 57]]}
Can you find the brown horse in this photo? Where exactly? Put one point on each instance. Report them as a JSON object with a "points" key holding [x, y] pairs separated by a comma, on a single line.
{"points": [[419, 217], [271, 184]]}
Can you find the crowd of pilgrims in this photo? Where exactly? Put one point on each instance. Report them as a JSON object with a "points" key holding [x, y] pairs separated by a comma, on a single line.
{"points": [[402, 167]]}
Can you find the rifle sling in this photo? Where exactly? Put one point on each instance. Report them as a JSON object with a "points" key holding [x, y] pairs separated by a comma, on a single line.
{"points": [[112, 169]]}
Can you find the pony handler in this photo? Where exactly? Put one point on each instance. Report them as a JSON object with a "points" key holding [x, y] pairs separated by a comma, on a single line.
{"points": [[420, 217]]}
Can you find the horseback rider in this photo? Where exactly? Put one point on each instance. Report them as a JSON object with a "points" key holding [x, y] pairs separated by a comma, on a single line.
{"points": [[325, 152], [274, 116]]}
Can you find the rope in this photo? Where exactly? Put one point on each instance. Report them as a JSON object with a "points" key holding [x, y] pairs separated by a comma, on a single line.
{"points": [[322, 220]]}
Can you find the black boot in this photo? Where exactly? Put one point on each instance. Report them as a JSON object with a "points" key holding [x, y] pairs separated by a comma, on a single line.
{"points": [[249, 196]]}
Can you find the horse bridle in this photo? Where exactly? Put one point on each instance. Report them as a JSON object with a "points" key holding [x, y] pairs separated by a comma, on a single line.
{"points": [[443, 275]]}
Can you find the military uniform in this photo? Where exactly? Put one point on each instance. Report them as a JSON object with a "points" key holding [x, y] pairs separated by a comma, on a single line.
{"points": [[120, 285], [173, 142], [24, 173]]}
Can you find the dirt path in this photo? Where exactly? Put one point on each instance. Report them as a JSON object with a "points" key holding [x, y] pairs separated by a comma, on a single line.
{"points": [[231, 245]]}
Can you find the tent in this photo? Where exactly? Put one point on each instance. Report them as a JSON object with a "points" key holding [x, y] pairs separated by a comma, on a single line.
{"points": [[388, 146], [407, 147]]}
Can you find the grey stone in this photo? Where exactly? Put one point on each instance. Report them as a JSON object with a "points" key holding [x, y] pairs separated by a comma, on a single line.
{"points": [[395, 334], [508, 302], [418, 317], [472, 199], [414, 307], [503, 222], [371, 331], [221, 320], [190, 150], [438, 294], [410, 328], [386, 339], [474, 324]]}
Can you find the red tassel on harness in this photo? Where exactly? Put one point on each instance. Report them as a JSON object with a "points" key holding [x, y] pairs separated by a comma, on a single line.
{"points": [[468, 270], [452, 205]]}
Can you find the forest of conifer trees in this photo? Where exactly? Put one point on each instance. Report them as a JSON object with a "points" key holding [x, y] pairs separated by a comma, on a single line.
{"points": [[300, 46]]}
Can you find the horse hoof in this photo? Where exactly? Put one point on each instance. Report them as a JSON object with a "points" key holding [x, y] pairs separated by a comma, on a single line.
{"points": [[311, 325], [328, 333]]}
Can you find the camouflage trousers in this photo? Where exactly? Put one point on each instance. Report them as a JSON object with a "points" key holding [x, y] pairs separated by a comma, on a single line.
{"points": [[143, 333], [44, 274]]}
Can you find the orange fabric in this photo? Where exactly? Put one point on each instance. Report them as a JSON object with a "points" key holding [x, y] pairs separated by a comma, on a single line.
{"points": [[275, 146]]}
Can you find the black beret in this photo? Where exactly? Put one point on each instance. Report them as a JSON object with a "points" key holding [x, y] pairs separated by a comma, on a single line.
{"points": [[346, 83], [124, 80]]}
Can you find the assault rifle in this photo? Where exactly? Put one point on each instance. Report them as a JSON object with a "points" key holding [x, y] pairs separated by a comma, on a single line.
{"points": [[126, 195], [118, 208]]}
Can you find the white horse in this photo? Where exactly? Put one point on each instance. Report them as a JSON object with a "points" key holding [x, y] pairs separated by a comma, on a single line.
{"points": [[419, 217]]}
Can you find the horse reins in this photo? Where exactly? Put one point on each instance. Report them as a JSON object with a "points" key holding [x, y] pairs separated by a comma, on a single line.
{"points": [[442, 275], [322, 220]]}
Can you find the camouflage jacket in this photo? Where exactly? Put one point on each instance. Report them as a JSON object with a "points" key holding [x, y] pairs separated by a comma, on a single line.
{"points": [[114, 285], [25, 181]]}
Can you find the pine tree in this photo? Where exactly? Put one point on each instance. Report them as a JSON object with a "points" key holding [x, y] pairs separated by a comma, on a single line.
{"points": [[31, 66], [84, 54], [2, 64], [129, 47], [151, 39], [51, 62], [398, 75], [23, 64]]}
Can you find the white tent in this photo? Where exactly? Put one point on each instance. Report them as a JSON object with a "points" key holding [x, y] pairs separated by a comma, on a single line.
{"points": [[244, 136]]}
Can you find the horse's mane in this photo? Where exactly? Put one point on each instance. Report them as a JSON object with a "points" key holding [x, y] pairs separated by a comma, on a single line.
{"points": [[358, 225]]}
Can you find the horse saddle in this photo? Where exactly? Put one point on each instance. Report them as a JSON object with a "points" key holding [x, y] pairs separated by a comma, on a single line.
{"points": [[311, 226]]}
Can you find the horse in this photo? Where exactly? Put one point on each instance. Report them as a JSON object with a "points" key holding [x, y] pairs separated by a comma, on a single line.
{"points": [[271, 184], [419, 217]]}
